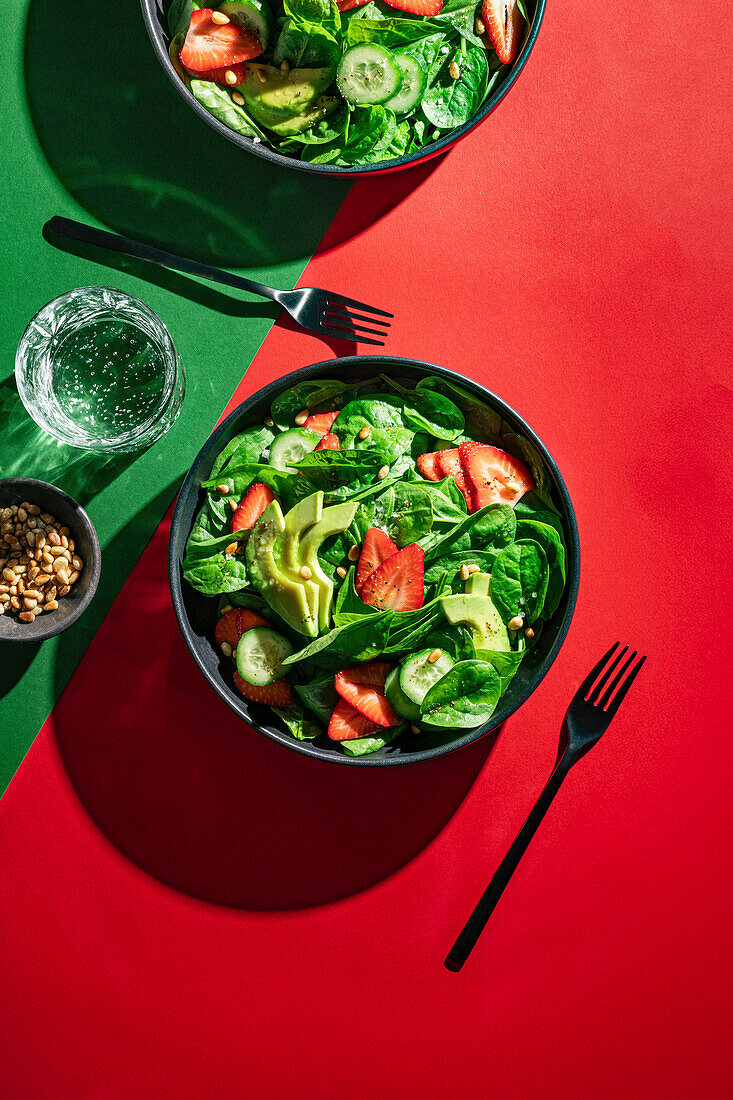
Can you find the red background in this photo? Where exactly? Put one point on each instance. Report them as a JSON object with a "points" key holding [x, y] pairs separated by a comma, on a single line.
{"points": [[572, 256]]}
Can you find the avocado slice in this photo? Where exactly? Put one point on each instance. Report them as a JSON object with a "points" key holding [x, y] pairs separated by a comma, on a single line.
{"points": [[479, 613], [478, 584], [333, 521], [298, 520], [325, 105], [282, 96], [283, 593]]}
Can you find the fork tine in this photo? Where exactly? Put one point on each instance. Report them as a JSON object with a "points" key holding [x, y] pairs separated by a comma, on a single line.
{"points": [[618, 700], [339, 298], [603, 703], [348, 322], [595, 694], [341, 311], [590, 678], [348, 334]]}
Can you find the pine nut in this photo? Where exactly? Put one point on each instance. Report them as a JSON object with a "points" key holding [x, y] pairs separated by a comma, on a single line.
{"points": [[382, 472], [220, 18], [53, 538], [77, 562], [354, 553], [285, 67], [26, 616], [46, 517], [233, 504], [32, 594], [262, 75], [47, 566], [58, 552], [454, 71], [9, 575], [29, 603], [226, 649], [15, 603], [226, 609], [33, 509], [2, 609], [473, 569], [22, 514], [269, 422], [516, 622], [464, 573], [364, 432], [479, 28], [529, 633], [63, 576], [73, 577], [305, 573], [433, 657], [52, 593], [64, 542], [230, 549], [222, 488], [341, 571], [64, 590], [239, 100], [230, 77], [58, 564], [414, 728], [40, 540], [50, 605], [4, 598], [301, 417], [72, 545], [64, 531]]}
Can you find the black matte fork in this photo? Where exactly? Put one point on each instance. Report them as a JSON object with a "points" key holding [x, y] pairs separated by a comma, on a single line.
{"points": [[313, 309], [589, 716]]}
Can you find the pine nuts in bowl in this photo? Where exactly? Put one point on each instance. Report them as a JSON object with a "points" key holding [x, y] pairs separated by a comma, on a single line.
{"points": [[50, 560]]}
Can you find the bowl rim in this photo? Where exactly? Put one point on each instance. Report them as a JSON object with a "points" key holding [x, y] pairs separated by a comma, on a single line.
{"points": [[408, 160], [54, 626], [227, 694]]}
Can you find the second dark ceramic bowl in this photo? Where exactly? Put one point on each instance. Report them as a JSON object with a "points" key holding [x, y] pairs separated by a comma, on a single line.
{"points": [[196, 614], [154, 13]]}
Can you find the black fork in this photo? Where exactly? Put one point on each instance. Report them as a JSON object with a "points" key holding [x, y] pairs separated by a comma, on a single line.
{"points": [[589, 716], [313, 309]]}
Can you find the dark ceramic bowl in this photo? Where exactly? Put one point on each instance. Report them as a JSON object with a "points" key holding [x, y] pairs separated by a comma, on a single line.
{"points": [[15, 490], [154, 13], [196, 614]]}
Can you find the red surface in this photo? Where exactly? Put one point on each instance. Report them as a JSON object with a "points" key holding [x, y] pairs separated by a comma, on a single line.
{"points": [[572, 255]]}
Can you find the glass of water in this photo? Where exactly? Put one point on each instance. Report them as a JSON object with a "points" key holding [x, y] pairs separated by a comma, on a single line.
{"points": [[98, 369]]}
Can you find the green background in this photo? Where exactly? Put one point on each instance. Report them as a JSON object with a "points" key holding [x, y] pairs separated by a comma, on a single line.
{"points": [[93, 130]]}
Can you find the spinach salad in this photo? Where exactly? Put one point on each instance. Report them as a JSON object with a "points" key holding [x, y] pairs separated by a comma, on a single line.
{"points": [[384, 555], [347, 83]]}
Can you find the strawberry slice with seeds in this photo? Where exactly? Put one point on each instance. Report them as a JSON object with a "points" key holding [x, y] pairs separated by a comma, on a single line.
{"points": [[398, 584], [347, 5], [377, 547], [329, 442], [321, 422], [417, 7], [494, 475], [503, 21], [211, 45], [363, 688], [449, 464], [278, 694], [428, 466], [219, 76], [232, 626], [347, 724], [251, 506]]}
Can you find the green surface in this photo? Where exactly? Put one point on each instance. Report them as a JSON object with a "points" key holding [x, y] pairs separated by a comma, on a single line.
{"points": [[93, 130]]}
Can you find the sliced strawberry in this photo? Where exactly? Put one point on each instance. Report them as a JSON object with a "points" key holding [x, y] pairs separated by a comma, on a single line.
{"points": [[329, 442], [428, 466], [347, 724], [232, 626], [399, 582], [219, 75], [246, 619], [210, 45], [363, 688], [321, 422], [449, 464], [417, 7], [251, 506], [493, 475], [377, 547], [278, 694], [347, 5], [503, 21]]}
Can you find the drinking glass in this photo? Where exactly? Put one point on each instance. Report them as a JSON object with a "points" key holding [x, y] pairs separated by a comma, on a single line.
{"points": [[97, 369]]}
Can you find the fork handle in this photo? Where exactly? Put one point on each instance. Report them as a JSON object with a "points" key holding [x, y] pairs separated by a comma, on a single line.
{"points": [[475, 924], [88, 234]]}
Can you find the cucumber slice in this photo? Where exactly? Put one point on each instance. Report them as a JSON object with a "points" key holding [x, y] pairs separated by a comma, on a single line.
{"points": [[260, 654], [397, 698], [413, 85], [253, 16], [289, 448], [418, 674], [368, 74]]}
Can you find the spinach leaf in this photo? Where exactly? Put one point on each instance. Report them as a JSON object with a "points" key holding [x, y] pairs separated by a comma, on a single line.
{"points": [[299, 724], [548, 538], [456, 641], [505, 663], [349, 604], [519, 581], [319, 696], [288, 486], [527, 451], [323, 12], [391, 33], [449, 503], [306, 45], [340, 472], [211, 571], [466, 696], [490, 528], [451, 563], [179, 16], [432, 412], [425, 50], [449, 103], [530, 506], [481, 421], [356, 641], [461, 14], [219, 103], [313, 395], [249, 446], [361, 746], [326, 130], [411, 516], [377, 410]]}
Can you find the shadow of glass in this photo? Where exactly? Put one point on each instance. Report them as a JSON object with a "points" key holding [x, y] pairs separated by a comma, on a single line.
{"points": [[208, 806], [133, 154]]}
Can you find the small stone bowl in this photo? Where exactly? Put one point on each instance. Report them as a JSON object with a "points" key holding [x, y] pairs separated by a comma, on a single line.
{"points": [[64, 509]]}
